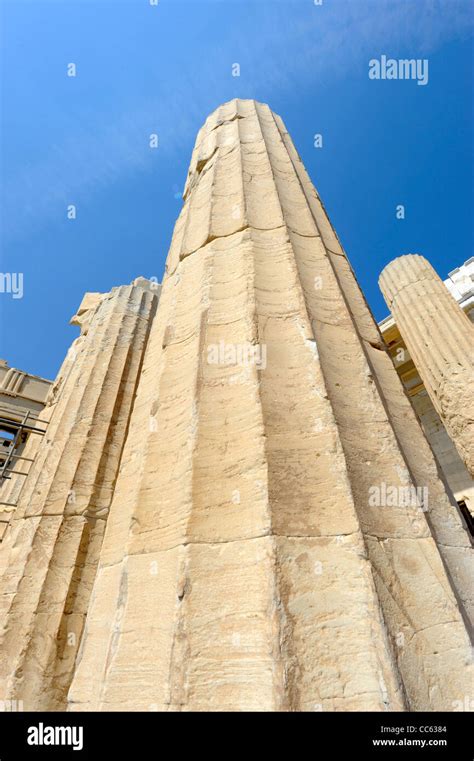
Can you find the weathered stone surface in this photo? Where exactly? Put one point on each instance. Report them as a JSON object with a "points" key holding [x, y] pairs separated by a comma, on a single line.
{"points": [[440, 338], [50, 552], [230, 554], [244, 563]]}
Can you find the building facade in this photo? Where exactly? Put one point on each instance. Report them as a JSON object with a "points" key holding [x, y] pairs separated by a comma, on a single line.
{"points": [[22, 399]]}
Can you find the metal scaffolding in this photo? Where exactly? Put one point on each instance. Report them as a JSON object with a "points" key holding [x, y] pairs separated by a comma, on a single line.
{"points": [[22, 429]]}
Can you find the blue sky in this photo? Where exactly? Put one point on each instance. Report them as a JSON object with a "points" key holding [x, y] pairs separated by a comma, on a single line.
{"points": [[162, 69]]}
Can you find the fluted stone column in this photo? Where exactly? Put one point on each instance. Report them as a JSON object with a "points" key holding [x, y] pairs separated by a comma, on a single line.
{"points": [[50, 552], [440, 339], [246, 564]]}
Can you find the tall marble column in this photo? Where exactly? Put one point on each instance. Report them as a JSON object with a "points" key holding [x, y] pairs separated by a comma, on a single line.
{"points": [[50, 552], [440, 339], [252, 559]]}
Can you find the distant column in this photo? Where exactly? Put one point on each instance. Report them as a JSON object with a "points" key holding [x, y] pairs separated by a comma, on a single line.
{"points": [[440, 339]]}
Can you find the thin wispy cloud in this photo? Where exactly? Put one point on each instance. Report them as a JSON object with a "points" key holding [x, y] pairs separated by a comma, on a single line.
{"points": [[331, 40]]}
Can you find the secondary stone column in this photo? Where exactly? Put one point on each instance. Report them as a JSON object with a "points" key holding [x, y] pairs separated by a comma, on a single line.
{"points": [[52, 545], [440, 339]]}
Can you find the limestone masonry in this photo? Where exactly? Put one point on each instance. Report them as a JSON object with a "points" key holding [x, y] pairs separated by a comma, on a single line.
{"points": [[200, 528]]}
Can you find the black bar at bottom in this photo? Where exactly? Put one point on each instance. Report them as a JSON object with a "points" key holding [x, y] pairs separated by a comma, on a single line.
{"points": [[153, 735]]}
